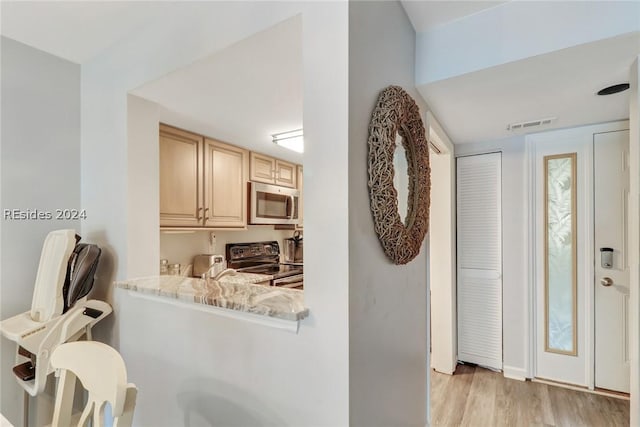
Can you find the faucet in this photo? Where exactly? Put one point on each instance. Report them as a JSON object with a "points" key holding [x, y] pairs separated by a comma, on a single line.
{"points": [[225, 272]]}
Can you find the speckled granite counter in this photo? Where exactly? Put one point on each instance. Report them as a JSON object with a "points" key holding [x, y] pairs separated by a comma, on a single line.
{"points": [[231, 292]]}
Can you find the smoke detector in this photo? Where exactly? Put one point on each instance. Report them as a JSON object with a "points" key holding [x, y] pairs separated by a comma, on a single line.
{"points": [[530, 124]]}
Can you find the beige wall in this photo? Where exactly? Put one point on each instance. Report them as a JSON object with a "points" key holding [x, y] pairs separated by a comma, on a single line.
{"points": [[181, 247]]}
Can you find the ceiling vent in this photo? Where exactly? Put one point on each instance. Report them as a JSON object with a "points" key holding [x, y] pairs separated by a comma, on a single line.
{"points": [[530, 124]]}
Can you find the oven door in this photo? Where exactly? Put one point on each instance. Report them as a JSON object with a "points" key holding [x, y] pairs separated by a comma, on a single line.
{"points": [[292, 282], [272, 204]]}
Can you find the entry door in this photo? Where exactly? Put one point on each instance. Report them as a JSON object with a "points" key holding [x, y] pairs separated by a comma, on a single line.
{"points": [[611, 191], [479, 290], [563, 255]]}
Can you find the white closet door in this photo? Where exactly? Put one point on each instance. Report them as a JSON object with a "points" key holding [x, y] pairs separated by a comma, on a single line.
{"points": [[479, 215]]}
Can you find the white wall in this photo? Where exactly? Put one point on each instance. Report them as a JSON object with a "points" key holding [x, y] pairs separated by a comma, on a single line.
{"points": [[387, 303], [186, 362], [40, 170], [514, 250], [144, 169]]}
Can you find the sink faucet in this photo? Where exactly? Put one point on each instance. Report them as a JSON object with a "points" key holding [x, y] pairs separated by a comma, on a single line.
{"points": [[225, 272]]}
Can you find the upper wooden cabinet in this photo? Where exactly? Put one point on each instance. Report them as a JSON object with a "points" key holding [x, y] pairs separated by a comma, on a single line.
{"points": [[272, 171], [202, 181], [180, 178], [226, 171]]}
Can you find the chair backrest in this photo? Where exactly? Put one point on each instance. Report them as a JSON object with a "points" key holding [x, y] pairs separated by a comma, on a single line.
{"points": [[102, 373], [48, 300]]}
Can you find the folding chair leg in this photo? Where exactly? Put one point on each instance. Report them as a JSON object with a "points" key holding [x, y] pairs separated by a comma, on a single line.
{"points": [[25, 410]]}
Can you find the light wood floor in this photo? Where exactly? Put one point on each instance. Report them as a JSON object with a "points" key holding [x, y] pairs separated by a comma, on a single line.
{"points": [[479, 397]]}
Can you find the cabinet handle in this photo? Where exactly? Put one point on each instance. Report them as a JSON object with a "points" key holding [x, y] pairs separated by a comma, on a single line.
{"points": [[198, 217], [206, 217]]}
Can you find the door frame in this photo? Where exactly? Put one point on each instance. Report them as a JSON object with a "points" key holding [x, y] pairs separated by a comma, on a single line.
{"points": [[532, 249], [443, 217], [634, 238]]}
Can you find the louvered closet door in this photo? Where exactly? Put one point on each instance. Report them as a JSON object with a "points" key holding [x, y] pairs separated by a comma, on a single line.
{"points": [[479, 259]]}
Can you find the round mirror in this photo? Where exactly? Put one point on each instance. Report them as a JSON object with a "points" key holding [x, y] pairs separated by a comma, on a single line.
{"points": [[399, 175]]}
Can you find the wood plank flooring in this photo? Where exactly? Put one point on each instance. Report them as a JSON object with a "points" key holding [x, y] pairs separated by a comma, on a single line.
{"points": [[479, 397]]}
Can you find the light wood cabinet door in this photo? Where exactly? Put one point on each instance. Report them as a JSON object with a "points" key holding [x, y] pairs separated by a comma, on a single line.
{"points": [[180, 178], [300, 197], [272, 171], [286, 174], [225, 185], [262, 168]]}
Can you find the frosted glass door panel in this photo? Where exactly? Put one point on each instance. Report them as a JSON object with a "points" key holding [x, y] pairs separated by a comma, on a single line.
{"points": [[560, 253]]}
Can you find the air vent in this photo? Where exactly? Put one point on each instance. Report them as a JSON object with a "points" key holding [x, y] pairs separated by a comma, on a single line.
{"points": [[530, 124]]}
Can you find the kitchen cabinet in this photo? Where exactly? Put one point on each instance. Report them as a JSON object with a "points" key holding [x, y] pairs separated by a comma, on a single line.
{"points": [[180, 178], [203, 182], [272, 171], [226, 171]]}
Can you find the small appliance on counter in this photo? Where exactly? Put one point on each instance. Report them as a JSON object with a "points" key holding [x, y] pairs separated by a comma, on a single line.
{"points": [[293, 249], [203, 263], [264, 258]]}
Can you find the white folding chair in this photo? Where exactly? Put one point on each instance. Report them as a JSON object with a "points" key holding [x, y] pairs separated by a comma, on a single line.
{"points": [[103, 374]]}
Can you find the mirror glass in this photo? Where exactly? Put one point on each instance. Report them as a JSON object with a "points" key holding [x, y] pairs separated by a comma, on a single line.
{"points": [[401, 178]]}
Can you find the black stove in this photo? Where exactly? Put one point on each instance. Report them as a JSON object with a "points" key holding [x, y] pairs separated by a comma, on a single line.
{"points": [[264, 258]]}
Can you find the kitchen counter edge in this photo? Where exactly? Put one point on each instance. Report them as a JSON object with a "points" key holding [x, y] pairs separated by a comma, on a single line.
{"points": [[229, 295]]}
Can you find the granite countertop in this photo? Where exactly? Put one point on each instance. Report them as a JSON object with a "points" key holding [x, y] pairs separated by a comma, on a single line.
{"points": [[244, 278], [232, 292]]}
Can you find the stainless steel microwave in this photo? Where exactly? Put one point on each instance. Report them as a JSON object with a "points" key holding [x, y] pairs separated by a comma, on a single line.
{"points": [[272, 204]]}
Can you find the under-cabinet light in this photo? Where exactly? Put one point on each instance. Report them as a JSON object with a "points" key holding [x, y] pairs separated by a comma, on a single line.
{"points": [[293, 140]]}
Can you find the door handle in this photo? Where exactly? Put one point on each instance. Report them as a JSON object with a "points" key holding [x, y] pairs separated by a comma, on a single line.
{"points": [[606, 281], [293, 206]]}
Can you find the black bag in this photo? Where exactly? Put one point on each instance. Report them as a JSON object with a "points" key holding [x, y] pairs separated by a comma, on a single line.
{"points": [[81, 270]]}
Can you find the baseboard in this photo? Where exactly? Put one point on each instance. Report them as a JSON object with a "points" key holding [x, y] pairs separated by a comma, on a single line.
{"points": [[444, 368], [442, 371], [514, 373]]}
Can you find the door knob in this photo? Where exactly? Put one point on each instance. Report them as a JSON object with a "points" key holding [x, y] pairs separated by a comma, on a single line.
{"points": [[606, 281]]}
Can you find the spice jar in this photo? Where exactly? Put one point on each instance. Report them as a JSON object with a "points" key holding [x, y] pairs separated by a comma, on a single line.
{"points": [[164, 266], [174, 269]]}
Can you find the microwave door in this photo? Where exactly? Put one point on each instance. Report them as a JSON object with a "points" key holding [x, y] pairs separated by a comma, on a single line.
{"points": [[273, 205]]}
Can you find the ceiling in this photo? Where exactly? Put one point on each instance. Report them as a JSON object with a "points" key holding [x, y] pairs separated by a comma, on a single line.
{"points": [[240, 95], [205, 96], [426, 15], [478, 106], [76, 31]]}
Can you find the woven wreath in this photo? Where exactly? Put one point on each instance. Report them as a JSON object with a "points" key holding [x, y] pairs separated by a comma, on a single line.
{"points": [[397, 113]]}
